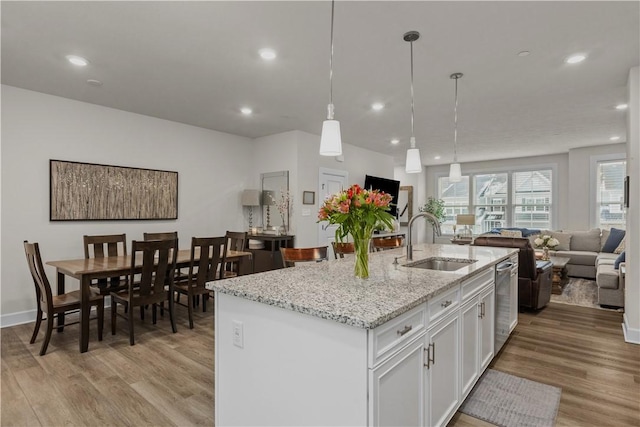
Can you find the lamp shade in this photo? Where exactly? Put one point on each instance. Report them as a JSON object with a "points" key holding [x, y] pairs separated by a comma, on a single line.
{"points": [[268, 197], [413, 164], [330, 139], [455, 174], [466, 219], [251, 198]]}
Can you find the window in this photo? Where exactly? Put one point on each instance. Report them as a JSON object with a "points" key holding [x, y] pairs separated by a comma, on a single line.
{"points": [[500, 199], [610, 194]]}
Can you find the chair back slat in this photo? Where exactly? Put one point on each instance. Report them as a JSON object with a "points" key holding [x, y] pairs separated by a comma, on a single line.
{"points": [[40, 281], [236, 240], [207, 257], [158, 267], [115, 244], [292, 255], [169, 235]]}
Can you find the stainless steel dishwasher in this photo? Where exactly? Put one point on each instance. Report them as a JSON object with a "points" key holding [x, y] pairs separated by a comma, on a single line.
{"points": [[503, 303]]}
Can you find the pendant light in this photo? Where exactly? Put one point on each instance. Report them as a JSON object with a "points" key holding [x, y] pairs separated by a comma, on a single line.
{"points": [[455, 174], [330, 139], [413, 163]]}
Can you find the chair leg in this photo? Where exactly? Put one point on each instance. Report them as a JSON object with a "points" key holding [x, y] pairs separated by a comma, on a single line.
{"points": [[142, 312], [130, 318], [114, 310], [171, 316], [190, 308], [205, 297], [37, 327], [47, 337], [100, 311], [154, 315]]}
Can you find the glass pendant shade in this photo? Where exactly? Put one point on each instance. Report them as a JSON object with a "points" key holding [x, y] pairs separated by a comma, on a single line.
{"points": [[330, 139], [413, 164], [455, 174]]}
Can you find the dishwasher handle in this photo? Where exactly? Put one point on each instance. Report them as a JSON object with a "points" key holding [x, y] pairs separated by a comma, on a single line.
{"points": [[504, 267]]}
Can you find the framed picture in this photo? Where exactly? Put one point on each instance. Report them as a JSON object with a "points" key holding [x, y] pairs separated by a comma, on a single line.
{"points": [[93, 192], [308, 197], [626, 191]]}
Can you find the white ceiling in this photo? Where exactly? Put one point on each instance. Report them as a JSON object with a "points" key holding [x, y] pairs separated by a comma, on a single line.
{"points": [[197, 63]]}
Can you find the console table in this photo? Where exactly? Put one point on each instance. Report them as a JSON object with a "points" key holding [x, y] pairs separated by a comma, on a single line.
{"points": [[269, 258]]}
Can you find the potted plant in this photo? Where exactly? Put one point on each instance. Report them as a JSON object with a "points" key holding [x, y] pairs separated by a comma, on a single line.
{"points": [[435, 207]]}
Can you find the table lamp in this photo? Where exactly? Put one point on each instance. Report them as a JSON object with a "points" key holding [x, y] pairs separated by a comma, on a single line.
{"points": [[466, 220], [268, 200], [251, 198]]}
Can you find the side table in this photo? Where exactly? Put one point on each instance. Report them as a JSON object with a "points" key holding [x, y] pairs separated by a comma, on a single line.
{"points": [[560, 278]]}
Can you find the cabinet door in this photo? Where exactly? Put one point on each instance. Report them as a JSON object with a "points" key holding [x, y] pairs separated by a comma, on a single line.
{"points": [[442, 379], [487, 325], [469, 350], [396, 396], [513, 306]]}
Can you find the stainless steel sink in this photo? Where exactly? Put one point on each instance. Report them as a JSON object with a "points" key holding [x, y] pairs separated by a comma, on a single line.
{"points": [[441, 264]]}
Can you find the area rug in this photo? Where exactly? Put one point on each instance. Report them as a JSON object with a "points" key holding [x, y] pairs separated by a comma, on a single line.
{"points": [[506, 400], [582, 292]]}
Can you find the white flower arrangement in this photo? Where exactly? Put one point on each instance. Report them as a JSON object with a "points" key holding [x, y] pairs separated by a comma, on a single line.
{"points": [[546, 241]]}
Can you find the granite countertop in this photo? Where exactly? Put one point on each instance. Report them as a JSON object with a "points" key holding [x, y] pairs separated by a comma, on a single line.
{"points": [[329, 289]]}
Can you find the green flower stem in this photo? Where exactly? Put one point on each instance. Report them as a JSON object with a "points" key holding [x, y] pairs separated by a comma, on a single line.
{"points": [[361, 267]]}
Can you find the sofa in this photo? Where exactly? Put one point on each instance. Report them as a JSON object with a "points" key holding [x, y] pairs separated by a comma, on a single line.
{"points": [[590, 256]]}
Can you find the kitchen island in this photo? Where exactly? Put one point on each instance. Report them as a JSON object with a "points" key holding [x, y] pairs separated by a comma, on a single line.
{"points": [[313, 345]]}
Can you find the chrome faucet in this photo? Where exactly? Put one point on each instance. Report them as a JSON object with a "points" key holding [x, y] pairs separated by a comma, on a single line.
{"points": [[436, 230]]}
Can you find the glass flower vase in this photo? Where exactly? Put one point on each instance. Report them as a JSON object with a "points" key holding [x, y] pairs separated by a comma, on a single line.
{"points": [[545, 253], [361, 268]]}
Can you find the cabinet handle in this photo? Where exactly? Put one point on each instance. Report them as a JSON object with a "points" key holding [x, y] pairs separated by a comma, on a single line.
{"points": [[483, 309], [426, 349], [433, 352], [446, 304], [406, 329]]}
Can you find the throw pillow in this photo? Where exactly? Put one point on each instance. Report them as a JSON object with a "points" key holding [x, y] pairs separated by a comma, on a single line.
{"points": [[603, 238], [621, 258], [511, 233], [620, 247], [615, 237]]}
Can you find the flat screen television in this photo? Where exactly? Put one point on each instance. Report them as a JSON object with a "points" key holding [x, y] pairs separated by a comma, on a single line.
{"points": [[389, 186]]}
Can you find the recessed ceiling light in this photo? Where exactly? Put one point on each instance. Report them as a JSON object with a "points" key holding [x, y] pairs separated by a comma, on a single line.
{"points": [[77, 60], [267, 54], [395, 141], [621, 106], [377, 106], [574, 59], [246, 111], [94, 82], [524, 53], [436, 157], [614, 138]]}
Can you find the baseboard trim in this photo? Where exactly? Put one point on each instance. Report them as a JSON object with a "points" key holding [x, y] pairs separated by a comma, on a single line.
{"points": [[29, 316], [630, 335]]}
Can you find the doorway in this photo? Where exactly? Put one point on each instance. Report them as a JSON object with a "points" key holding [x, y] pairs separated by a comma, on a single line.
{"points": [[330, 181]]}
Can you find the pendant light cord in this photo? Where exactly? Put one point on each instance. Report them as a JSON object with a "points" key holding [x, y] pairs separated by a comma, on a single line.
{"points": [[330, 115], [455, 126], [413, 141]]}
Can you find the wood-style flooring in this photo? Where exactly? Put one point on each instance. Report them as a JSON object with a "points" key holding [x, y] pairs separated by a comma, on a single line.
{"points": [[167, 379]]}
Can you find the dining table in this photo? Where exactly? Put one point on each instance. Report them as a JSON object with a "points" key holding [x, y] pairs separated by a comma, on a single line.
{"points": [[85, 270]]}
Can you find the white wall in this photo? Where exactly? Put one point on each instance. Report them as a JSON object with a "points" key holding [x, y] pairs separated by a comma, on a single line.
{"points": [[213, 169], [632, 291]]}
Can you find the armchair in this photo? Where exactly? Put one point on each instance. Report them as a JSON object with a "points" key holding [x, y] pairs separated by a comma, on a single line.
{"points": [[534, 276]]}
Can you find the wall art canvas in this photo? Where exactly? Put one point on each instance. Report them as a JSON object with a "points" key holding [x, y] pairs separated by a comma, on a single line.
{"points": [[87, 192]]}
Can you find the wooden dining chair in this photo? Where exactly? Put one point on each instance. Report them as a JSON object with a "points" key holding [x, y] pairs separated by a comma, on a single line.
{"points": [[235, 241], [339, 249], [383, 243], [54, 305], [155, 285], [205, 265], [101, 246], [160, 236], [292, 255]]}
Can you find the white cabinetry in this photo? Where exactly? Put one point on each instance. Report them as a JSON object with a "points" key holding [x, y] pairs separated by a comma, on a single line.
{"points": [[397, 390], [442, 370], [513, 306], [477, 322]]}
